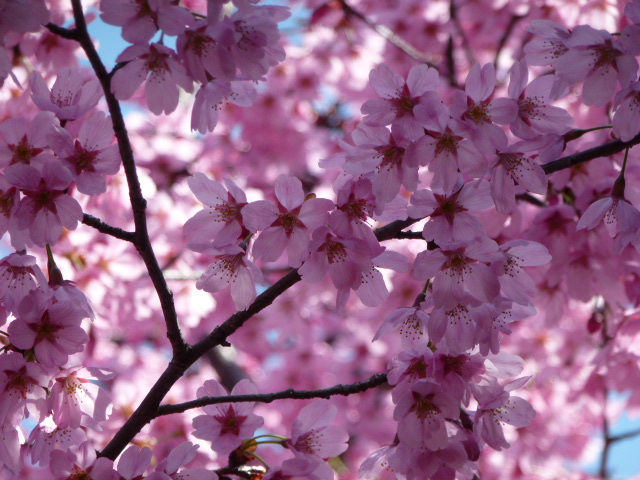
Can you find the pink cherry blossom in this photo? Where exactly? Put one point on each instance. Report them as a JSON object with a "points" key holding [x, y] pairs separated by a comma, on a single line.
{"points": [[287, 226], [313, 434], [92, 155], [159, 66], [535, 115], [76, 399], [231, 268], [398, 98], [82, 464], [449, 219], [19, 277], [23, 386], [181, 455], [51, 329], [220, 223], [497, 407], [72, 94], [597, 58], [226, 425], [134, 461], [141, 19], [626, 120], [24, 142], [45, 208], [212, 96]]}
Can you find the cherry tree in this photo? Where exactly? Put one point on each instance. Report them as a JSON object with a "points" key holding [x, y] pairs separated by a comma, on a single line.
{"points": [[318, 239]]}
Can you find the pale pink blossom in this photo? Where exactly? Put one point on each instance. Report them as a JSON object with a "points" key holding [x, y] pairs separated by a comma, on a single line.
{"points": [[181, 455], [598, 59], [22, 388], [51, 329], [47, 436], [444, 149], [141, 19], [159, 67], [449, 219], [226, 425], [92, 156], [513, 165], [24, 16], [287, 226], [72, 94], [313, 434], [205, 57], [76, 399], [45, 209], [212, 96], [221, 222], [497, 407], [25, 142], [535, 115], [302, 467], [82, 464], [398, 97], [549, 49], [133, 462], [626, 119], [20, 275], [231, 268]]}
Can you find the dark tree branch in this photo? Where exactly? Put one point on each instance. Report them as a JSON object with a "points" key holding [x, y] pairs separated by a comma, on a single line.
{"points": [[69, 34], [138, 203], [344, 390], [604, 150], [108, 229]]}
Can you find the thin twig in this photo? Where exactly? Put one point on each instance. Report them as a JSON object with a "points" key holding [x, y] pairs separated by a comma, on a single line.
{"points": [[107, 229], [344, 390]]}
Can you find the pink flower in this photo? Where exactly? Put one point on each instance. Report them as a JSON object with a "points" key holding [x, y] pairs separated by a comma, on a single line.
{"points": [[598, 59], [512, 166], [92, 155], [76, 399], [82, 464], [18, 276], [421, 415], [133, 462], [449, 219], [141, 19], [313, 434], [287, 226], [480, 114], [25, 141], [535, 117], [626, 120], [445, 148], [184, 453], [549, 49], [204, 57], [51, 329], [461, 275], [410, 322], [231, 268], [221, 223], [9, 200], [226, 425], [159, 66], [22, 17], [497, 407], [345, 259], [398, 98], [212, 96], [45, 208], [22, 388], [71, 96], [302, 467], [47, 437]]}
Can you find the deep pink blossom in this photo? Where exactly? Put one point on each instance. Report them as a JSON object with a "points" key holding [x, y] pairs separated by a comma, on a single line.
{"points": [[226, 425]]}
